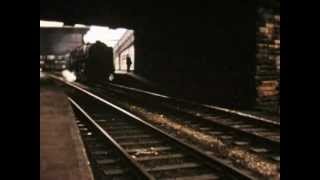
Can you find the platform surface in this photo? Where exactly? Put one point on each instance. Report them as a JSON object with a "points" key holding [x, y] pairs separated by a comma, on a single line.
{"points": [[62, 155]]}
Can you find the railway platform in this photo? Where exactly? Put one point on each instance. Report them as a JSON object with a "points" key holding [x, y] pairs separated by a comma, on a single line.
{"points": [[62, 155], [135, 80]]}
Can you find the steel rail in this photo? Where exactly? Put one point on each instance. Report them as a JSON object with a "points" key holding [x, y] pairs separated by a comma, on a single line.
{"points": [[212, 107], [140, 172], [209, 160]]}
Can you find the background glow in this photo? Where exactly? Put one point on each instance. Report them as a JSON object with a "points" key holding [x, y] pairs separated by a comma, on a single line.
{"points": [[51, 24], [80, 26], [104, 34], [69, 76]]}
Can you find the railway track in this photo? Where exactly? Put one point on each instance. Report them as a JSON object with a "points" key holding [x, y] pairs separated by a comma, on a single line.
{"points": [[124, 146], [258, 135], [222, 159], [106, 162]]}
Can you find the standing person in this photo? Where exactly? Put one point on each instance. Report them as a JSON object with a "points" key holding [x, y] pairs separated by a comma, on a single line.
{"points": [[129, 62]]}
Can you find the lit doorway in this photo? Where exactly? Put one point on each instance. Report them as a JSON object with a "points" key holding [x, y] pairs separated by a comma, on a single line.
{"points": [[122, 42], [123, 51]]}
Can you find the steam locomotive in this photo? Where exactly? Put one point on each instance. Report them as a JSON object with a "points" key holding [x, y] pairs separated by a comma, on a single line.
{"points": [[92, 62]]}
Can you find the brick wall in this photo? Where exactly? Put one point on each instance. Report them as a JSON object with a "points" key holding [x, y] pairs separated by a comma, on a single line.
{"points": [[268, 60]]}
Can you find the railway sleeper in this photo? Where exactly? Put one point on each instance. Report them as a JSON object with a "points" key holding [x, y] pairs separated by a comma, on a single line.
{"points": [[146, 150], [148, 144], [96, 146], [263, 130], [120, 134], [106, 161], [197, 177], [139, 140], [134, 131], [259, 150], [216, 133], [172, 167], [159, 157], [109, 128], [140, 143], [241, 143], [100, 152], [165, 161], [117, 123], [205, 128], [182, 172], [114, 172], [132, 137], [125, 176], [240, 126], [268, 133]]}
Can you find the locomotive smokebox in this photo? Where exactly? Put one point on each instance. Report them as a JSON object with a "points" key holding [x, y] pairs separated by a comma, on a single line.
{"points": [[92, 62]]}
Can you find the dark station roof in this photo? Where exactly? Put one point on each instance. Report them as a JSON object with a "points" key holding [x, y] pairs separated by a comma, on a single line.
{"points": [[66, 29], [128, 13]]}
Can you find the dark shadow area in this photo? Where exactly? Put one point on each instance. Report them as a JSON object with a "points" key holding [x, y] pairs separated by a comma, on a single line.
{"points": [[209, 56]]}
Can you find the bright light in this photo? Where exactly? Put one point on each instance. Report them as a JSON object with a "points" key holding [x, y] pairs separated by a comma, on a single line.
{"points": [[80, 26], [111, 77], [104, 34], [69, 76], [51, 24]]}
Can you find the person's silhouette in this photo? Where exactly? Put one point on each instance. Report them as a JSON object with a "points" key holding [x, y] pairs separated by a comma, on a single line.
{"points": [[129, 62]]}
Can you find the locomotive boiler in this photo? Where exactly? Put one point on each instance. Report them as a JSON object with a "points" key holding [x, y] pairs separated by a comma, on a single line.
{"points": [[92, 62]]}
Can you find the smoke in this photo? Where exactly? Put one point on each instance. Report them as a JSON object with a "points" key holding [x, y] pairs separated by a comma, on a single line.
{"points": [[108, 36], [69, 76], [42, 75], [111, 77]]}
